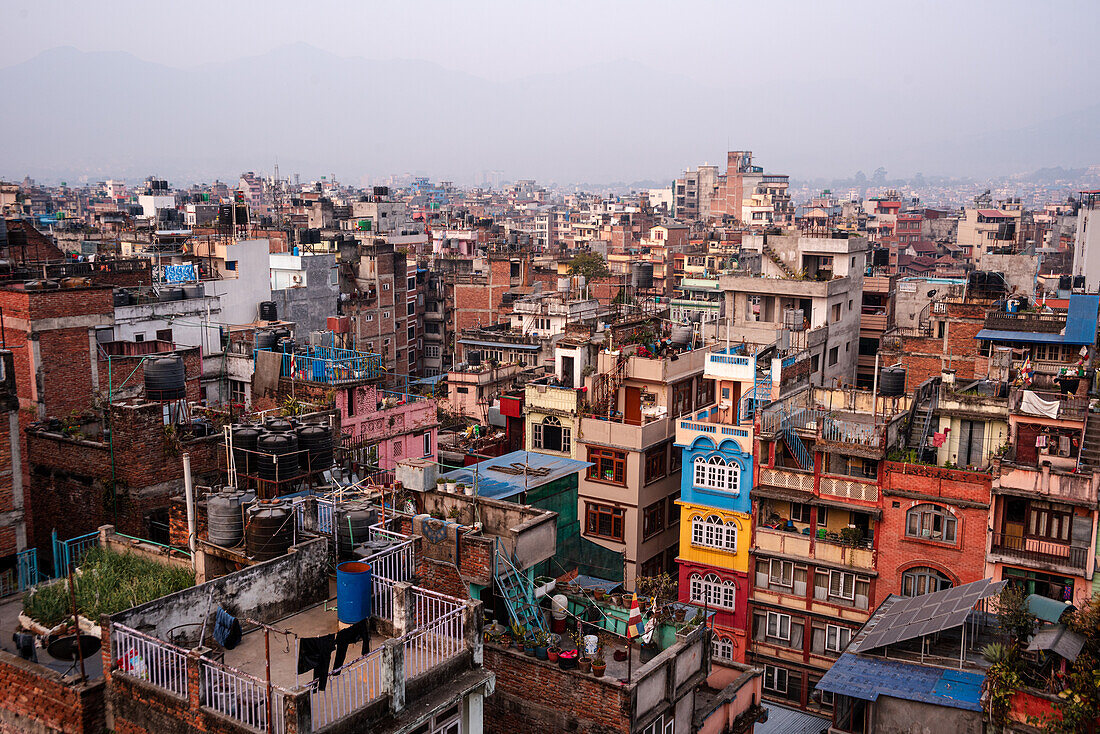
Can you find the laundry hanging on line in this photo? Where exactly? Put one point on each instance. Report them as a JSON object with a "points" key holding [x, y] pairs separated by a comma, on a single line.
{"points": [[314, 654], [227, 629], [349, 636]]}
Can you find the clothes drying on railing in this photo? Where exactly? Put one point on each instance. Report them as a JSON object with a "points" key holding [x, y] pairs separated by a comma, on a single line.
{"points": [[1034, 405], [314, 654], [349, 636], [227, 629]]}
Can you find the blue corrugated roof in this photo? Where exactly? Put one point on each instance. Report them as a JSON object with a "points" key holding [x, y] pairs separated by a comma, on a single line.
{"points": [[1080, 326], [867, 678], [495, 484]]}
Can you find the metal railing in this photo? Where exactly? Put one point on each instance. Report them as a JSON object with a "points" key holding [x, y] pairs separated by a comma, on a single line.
{"points": [[330, 365], [71, 552], [233, 694], [357, 684], [1042, 551], [435, 642], [840, 431], [146, 658]]}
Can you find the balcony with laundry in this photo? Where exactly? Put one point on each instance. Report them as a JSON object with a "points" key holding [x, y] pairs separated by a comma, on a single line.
{"points": [[280, 647]]}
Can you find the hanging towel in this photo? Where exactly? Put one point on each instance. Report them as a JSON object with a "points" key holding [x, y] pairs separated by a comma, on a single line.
{"points": [[1032, 404], [314, 654], [348, 636], [227, 630]]}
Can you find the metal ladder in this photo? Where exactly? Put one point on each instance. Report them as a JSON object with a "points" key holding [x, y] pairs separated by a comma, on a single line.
{"points": [[518, 592]]}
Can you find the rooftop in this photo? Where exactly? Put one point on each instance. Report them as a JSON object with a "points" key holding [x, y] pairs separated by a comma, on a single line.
{"points": [[512, 474]]}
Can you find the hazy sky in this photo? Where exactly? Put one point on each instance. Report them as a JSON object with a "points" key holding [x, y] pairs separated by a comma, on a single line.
{"points": [[974, 66]]}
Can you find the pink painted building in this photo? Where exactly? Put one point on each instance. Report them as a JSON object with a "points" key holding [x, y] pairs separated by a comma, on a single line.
{"points": [[381, 428]]}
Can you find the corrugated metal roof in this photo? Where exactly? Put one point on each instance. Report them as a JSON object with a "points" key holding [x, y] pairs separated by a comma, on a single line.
{"points": [[867, 678], [1065, 643], [505, 476], [1046, 609], [784, 720]]}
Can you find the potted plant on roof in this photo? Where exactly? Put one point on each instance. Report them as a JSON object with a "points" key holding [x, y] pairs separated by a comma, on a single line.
{"points": [[460, 488], [599, 665], [450, 484], [541, 645], [518, 633], [440, 484]]}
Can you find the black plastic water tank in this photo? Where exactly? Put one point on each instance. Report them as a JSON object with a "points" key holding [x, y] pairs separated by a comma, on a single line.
{"points": [[165, 378], [269, 311], [269, 530], [353, 521], [265, 339], [244, 446], [171, 294], [122, 298], [277, 456], [279, 425], [316, 441], [891, 381]]}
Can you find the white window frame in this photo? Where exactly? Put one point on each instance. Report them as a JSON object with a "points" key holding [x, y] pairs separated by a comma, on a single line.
{"points": [[837, 637], [713, 532], [717, 473], [428, 443], [839, 585], [721, 648], [775, 679], [778, 578], [713, 592], [778, 626]]}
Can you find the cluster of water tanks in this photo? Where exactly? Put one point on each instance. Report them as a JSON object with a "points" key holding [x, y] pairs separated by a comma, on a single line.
{"points": [[282, 448], [225, 516], [165, 378], [277, 340], [165, 294]]}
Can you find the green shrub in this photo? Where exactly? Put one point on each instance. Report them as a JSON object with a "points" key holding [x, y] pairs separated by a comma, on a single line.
{"points": [[108, 582]]}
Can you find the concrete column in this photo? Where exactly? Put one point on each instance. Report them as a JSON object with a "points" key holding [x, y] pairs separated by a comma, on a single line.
{"points": [[393, 673], [298, 712], [473, 713], [403, 608], [194, 678], [93, 358], [17, 501], [475, 640]]}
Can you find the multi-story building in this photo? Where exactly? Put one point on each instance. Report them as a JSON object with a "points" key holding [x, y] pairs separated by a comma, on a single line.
{"points": [[1086, 250], [692, 194], [748, 195], [375, 288], [629, 492], [805, 284], [817, 515], [984, 229], [715, 508], [699, 301], [876, 317]]}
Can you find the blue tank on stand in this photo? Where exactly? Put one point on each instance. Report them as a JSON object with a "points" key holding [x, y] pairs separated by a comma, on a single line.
{"points": [[353, 591]]}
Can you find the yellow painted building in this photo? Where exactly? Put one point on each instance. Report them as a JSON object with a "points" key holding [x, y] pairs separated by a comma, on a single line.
{"points": [[551, 420], [714, 537]]}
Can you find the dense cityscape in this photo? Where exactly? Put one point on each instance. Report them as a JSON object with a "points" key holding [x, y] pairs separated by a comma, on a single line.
{"points": [[723, 447]]}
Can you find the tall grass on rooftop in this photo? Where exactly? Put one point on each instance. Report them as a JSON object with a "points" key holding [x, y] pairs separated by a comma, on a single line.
{"points": [[106, 582]]}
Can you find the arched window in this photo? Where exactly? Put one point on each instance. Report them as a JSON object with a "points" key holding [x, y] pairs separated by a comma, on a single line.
{"points": [[712, 591], [721, 648], [930, 522], [717, 473], [923, 580], [713, 532], [549, 435]]}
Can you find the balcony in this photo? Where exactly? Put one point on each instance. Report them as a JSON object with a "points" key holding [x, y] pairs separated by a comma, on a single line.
{"points": [[551, 399], [728, 365], [707, 423], [788, 543], [787, 479], [1078, 489], [847, 488], [1034, 550], [840, 553], [1032, 322], [873, 321], [622, 434], [1068, 407], [867, 435]]}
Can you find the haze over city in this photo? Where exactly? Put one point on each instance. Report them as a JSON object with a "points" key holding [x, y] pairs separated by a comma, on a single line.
{"points": [[564, 92]]}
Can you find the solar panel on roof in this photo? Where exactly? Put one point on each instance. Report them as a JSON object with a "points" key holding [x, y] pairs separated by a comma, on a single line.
{"points": [[926, 614]]}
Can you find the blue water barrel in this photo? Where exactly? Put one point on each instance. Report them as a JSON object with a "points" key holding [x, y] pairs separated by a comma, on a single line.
{"points": [[353, 591]]}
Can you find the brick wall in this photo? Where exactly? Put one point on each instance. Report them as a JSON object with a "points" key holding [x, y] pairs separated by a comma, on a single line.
{"points": [[965, 495], [36, 699], [7, 488], [537, 696]]}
